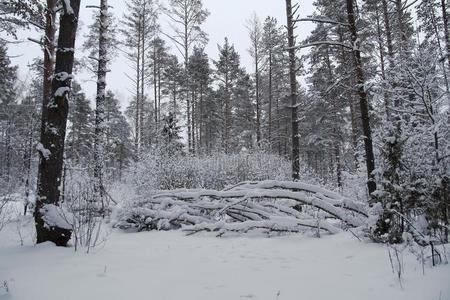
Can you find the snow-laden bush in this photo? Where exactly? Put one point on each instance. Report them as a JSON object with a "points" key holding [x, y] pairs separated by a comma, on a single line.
{"points": [[79, 210], [159, 171]]}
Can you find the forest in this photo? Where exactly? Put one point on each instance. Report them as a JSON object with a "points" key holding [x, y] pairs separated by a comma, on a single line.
{"points": [[341, 134]]}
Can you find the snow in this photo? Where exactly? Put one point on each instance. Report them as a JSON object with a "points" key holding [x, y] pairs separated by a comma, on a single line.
{"points": [[45, 152], [56, 217], [68, 8], [172, 266], [62, 91], [326, 204], [63, 76]]}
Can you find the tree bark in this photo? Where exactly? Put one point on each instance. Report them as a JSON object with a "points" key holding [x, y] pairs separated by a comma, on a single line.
{"points": [[258, 101], [294, 93], [100, 125], [363, 101], [270, 97], [446, 32], [137, 125], [49, 56], [54, 131], [155, 83]]}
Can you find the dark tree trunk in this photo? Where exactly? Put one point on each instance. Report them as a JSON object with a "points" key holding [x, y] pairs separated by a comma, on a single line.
{"points": [[193, 121], [387, 28], [258, 100], [294, 93], [446, 30], [155, 83], [54, 131], [270, 97], [382, 63], [370, 159]]}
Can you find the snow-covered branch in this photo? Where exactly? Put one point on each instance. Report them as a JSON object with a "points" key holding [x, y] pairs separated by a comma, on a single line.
{"points": [[266, 205]]}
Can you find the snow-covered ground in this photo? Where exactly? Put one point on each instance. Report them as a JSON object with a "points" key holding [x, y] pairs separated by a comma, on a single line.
{"points": [[170, 265]]}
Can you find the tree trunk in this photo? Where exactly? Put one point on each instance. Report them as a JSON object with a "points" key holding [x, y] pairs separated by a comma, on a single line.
{"points": [[155, 83], [270, 97], [193, 121], [159, 93], [28, 156], [143, 69], [100, 125], [258, 104], [186, 80], [137, 125], [49, 53], [370, 159], [387, 28], [446, 30], [294, 93], [382, 63], [53, 135]]}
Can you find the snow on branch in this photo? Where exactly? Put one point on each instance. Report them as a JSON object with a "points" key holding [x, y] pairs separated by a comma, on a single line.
{"points": [[330, 196], [322, 20], [268, 206], [322, 43]]}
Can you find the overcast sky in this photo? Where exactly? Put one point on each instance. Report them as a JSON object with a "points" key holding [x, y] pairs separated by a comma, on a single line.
{"points": [[227, 19]]}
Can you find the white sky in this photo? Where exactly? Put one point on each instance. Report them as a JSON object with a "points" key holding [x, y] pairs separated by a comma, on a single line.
{"points": [[227, 19]]}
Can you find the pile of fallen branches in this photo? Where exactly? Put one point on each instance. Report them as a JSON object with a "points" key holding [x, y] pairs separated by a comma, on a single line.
{"points": [[266, 206]]}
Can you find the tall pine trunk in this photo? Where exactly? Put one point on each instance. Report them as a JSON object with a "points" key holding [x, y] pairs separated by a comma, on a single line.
{"points": [[294, 93], [446, 29], [363, 101], [258, 100], [100, 125], [137, 125]]}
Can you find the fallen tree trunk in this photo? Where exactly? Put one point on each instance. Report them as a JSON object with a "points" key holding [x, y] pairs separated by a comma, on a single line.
{"points": [[301, 197], [268, 206], [332, 197]]}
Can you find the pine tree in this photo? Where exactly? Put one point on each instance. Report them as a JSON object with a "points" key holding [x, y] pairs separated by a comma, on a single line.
{"points": [[80, 137], [8, 78], [275, 86], [186, 18], [226, 74], [139, 26], [171, 136], [16, 14], [295, 157], [256, 34], [199, 73], [173, 81], [243, 131], [54, 130], [159, 58], [118, 147], [7, 109]]}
